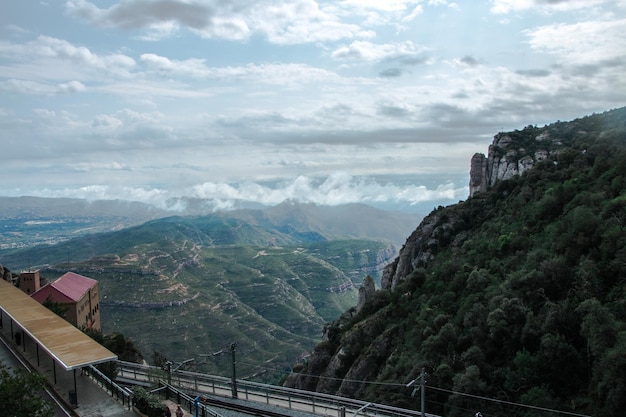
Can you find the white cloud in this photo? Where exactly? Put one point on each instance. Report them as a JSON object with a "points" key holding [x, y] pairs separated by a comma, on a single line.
{"points": [[37, 88], [587, 42], [508, 6], [72, 87], [281, 21], [103, 121], [46, 46], [388, 5], [337, 188], [189, 67], [61, 60], [416, 12], [45, 113], [272, 73], [368, 51]]}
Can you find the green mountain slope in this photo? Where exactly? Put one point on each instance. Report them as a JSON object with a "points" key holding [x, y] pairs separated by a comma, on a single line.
{"points": [[515, 295], [189, 286]]}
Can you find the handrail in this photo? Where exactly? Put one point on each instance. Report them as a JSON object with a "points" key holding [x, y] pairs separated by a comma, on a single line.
{"points": [[105, 382], [300, 400], [187, 401]]}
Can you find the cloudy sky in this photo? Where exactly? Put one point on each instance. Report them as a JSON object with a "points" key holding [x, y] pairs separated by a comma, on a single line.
{"points": [[326, 101]]}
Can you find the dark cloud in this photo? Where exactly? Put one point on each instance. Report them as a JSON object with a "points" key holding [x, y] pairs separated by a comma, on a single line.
{"points": [[349, 54], [551, 2], [392, 111], [411, 60], [449, 116], [533, 73], [142, 14], [266, 120], [589, 70], [460, 94], [338, 111], [469, 61], [390, 73], [134, 14], [586, 70]]}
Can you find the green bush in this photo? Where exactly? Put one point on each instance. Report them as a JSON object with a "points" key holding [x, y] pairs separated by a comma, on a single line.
{"points": [[147, 403]]}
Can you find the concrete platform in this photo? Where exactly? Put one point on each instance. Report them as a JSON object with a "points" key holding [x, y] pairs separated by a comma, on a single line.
{"points": [[91, 399]]}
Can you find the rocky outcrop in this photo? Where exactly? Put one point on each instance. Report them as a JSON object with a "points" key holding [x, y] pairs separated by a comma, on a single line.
{"points": [[418, 249], [5, 273], [508, 157], [366, 292]]}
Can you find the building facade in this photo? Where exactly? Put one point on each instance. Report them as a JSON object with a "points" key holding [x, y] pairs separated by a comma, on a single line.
{"points": [[30, 282], [75, 292]]}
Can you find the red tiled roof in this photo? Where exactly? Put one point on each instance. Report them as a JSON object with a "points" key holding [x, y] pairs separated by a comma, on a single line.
{"points": [[70, 287]]}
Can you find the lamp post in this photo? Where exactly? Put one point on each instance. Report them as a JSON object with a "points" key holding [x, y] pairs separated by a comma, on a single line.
{"points": [[233, 349], [422, 388]]}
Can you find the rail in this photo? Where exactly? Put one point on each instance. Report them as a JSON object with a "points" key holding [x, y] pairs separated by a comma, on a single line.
{"points": [[116, 391], [298, 400], [192, 404]]}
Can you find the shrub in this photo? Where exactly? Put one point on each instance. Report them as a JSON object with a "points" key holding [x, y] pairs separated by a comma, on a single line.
{"points": [[147, 403]]}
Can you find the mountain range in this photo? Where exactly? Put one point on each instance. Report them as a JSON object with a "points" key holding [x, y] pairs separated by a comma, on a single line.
{"points": [[186, 286], [29, 221]]}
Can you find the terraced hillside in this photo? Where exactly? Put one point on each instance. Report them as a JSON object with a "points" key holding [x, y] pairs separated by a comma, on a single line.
{"points": [[188, 287]]}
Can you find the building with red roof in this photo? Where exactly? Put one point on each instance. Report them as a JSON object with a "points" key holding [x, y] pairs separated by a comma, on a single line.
{"points": [[78, 294]]}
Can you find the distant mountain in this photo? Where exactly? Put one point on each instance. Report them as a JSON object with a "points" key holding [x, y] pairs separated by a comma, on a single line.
{"points": [[347, 221], [513, 301], [186, 286], [28, 221]]}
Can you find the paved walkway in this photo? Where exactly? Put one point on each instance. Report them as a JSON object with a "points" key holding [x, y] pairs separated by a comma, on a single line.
{"points": [[92, 400]]}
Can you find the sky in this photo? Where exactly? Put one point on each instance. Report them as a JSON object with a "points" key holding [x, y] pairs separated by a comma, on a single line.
{"points": [[381, 102]]}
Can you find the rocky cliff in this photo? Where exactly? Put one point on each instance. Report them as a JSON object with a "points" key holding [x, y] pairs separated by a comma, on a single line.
{"points": [[510, 154], [508, 157]]}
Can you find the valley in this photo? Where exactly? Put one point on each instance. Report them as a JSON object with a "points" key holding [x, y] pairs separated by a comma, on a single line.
{"points": [[186, 287]]}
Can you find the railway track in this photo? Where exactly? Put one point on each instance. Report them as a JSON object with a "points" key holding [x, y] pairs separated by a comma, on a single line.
{"points": [[246, 409]]}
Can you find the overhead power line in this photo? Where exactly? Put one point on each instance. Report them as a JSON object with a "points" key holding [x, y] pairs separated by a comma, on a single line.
{"points": [[390, 384], [507, 402]]}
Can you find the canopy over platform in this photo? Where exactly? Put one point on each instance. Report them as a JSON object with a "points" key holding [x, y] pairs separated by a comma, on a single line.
{"points": [[67, 345]]}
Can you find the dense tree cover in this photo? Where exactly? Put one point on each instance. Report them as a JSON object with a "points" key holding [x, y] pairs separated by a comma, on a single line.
{"points": [[20, 394], [117, 343], [525, 298]]}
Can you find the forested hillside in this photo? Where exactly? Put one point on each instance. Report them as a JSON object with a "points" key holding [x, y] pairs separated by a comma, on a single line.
{"points": [[515, 296]]}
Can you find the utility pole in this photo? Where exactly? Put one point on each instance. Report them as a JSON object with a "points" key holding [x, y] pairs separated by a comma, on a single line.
{"points": [[422, 388], [233, 380], [233, 349]]}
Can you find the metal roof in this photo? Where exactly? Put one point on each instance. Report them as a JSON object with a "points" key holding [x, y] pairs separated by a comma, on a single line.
{"points": [[69, 347], [70, 287]]}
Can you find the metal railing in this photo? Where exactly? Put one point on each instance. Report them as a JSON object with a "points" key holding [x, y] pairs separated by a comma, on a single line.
{"points": [[293, 399], [116, 391], [193, 405]]}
